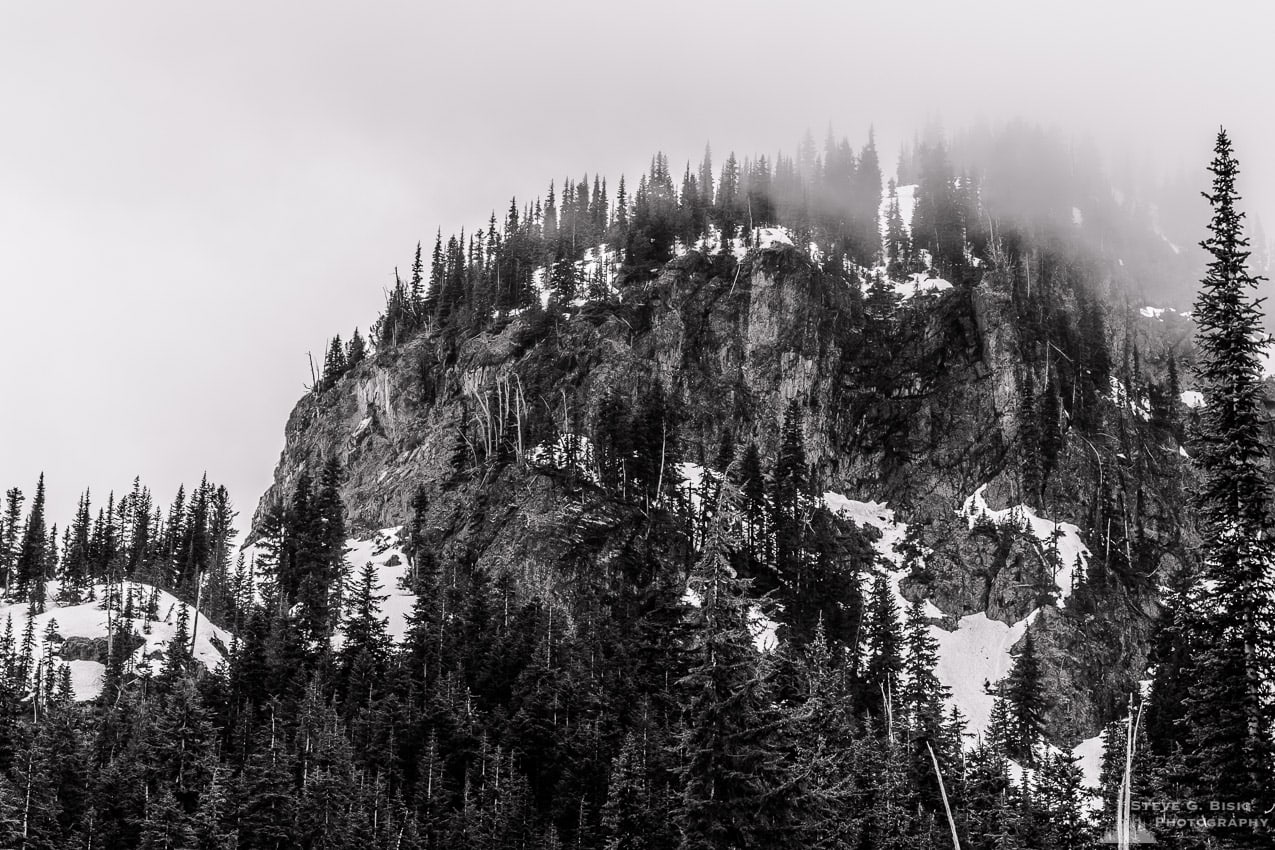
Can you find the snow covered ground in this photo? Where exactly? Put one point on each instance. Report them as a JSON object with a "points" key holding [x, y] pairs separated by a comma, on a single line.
{"points": [[1090, 753], [974, 655], [1158, 313], [919, 283], [384, 551], [977, 651], [210, 642], [769, 237], [878, 515], [89, 620]]}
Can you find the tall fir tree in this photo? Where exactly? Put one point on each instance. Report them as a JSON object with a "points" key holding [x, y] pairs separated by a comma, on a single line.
{"points": [[10, 535], [1024, 695], [884, 650], [1229, 711], [789, 502], [922, 694], [30, 567]]}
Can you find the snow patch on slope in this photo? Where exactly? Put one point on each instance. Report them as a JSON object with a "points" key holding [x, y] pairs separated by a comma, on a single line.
{"points": [[907, 203], [763, 239], [769, 237], [920, 283], [384, 551], [1089, 752], [976, 652], [881, 517], [87, 678], [89, 620], [973, 656], [876, 515]]}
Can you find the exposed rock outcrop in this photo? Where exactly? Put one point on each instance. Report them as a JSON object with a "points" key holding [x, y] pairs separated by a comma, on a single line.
{"points": [[917, 407]]}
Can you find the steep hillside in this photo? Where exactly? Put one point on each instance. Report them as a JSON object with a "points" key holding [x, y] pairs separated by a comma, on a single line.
{"points": [[915, 403], [139, 626]]}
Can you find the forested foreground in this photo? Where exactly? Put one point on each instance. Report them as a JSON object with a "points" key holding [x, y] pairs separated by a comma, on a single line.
{"points": [[654, 723], [650, 713]]}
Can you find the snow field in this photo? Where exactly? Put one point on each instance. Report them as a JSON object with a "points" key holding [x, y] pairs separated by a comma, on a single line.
{"points": [[89, 620], [977, 652], [384, 551]]}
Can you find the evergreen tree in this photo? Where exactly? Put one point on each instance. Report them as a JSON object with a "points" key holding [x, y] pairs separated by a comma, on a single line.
{"points": [[334, 364], [1025, 700], [10, 535], [216, 596], [355, 350], [898, 245], [1052, 439], [789, 500], [884, 646], [730, 776], [1229, 711], [38, 809], [364, 656], [627, 818], [76, 564], [29, 568], [437, 276], [266, 797], [922, 694], [1029, 439], [825, 590], [826, 749], [612, 442], [417, 290], [317, 549], [654, 444], [867, 204], [209, 822], [752, 484]]}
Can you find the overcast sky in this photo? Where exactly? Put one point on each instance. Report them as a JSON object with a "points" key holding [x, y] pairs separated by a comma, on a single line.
{"points": [[192, 196]]}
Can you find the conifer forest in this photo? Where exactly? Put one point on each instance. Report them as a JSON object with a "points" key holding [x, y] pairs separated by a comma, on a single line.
{"points": [[848, 497]]}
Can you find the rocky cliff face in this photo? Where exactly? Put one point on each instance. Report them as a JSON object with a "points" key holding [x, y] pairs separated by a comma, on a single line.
{"points": [[734, 351], [917, 408]]}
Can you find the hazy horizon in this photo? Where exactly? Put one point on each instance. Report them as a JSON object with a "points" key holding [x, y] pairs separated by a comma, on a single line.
{"points": [[195, 198]]}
